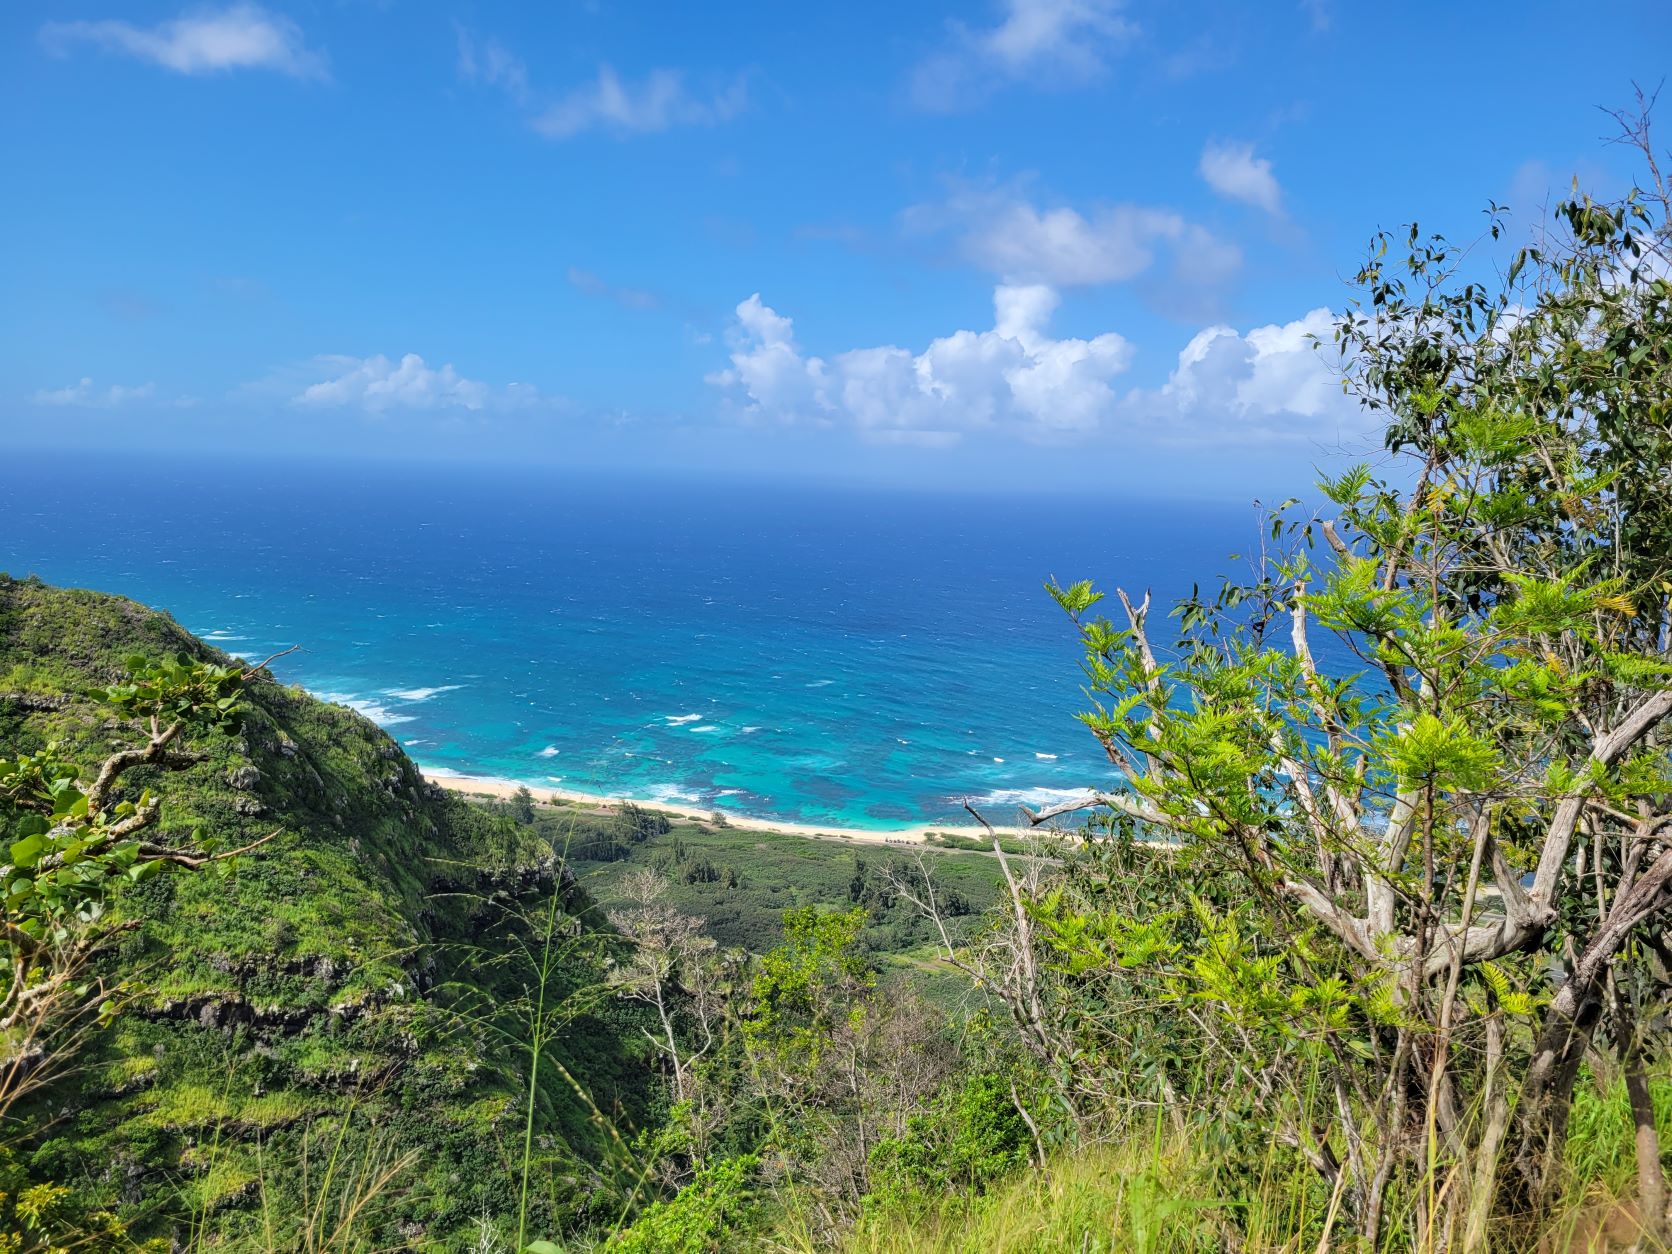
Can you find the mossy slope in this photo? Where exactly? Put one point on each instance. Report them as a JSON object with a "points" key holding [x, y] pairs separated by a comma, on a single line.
{"points": [[316, 985]]}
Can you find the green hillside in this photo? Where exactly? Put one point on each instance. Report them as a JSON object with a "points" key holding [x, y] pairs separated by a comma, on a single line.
{"points": [[333, 979]]}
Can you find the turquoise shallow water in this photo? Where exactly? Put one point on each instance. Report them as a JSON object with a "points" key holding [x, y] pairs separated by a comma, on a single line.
{"points": [[810, 654]]}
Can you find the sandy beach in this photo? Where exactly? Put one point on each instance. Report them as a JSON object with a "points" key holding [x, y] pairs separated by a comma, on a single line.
{"points": [[491, 786]]}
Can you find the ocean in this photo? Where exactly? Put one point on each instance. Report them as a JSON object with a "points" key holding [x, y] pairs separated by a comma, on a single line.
{"points": [[861, 658]]}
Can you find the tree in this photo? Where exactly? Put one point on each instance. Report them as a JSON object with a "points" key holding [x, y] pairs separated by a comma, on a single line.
{"points": [[668, 968], [1427, 738], [522, 806], [73, 845]]}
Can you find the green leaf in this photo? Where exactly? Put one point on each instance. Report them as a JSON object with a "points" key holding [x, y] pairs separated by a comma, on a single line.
{"points": [[27, 852], [540, 1247]]}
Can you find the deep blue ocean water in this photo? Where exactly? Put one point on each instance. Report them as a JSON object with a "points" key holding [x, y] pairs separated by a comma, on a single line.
{"points": [[822, 655]]}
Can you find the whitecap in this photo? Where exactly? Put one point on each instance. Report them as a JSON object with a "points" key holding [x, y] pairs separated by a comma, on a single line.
{"points": [[749, 731], [706, 727], [1000, 761], [550, 751], [669, 793], [1046, 757], [419, 694], [821, 683], [679, 720], [380, 714], [1034, 798], [218, 635]]}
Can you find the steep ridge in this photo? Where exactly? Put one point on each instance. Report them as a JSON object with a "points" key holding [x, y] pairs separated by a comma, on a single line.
{"points": [[343, 981]]}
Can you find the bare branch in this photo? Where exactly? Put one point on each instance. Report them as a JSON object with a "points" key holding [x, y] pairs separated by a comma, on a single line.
{"points": [[180, 857], [127, 759]]}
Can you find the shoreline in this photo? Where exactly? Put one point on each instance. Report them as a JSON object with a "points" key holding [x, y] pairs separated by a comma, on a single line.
{"points": [[503, 789]]}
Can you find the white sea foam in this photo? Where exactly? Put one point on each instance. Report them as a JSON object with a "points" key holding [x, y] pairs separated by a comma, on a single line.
{"points": [[218, 635], [550, 751], [750, 731], [1033, 798], [380, 714], [821, 683], [420, 694], [679, 720], [706, 727], [1046, 757], [670, 793], [1000, 761]]}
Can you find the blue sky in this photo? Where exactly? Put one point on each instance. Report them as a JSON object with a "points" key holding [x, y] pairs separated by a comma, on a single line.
{"points": [[1032, 243]]}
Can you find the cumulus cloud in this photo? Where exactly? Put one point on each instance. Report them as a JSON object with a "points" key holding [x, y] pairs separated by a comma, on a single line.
{"points": [[658, 102], [1021, 242], [1269, 384], [1045, 42], [204, 41], [82, 394], [1014, 376], [1236, 173], [379, 385]]}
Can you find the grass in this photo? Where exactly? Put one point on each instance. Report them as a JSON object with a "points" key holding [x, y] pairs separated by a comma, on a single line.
{"points": [[759, 875], [1141, 1195], [1151, 1193], [308, 969]]}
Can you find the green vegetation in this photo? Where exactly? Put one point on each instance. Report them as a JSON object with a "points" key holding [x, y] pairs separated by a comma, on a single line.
{"points": [[314, 988], [1362, 945]]}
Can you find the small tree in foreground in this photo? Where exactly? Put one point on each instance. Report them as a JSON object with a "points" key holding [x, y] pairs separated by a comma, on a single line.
{"points": [[71, 844], [1427, 739]]}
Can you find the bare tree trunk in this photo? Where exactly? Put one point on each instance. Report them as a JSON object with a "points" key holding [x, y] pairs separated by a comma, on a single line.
{"points": [[1651, 1180], [1547, 1091], [673, 1044], [1392, 1134], [1496, 1105]]}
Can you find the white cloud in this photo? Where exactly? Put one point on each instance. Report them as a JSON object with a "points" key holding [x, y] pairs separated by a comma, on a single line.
{"points": [[488, 61], [658, 102], [204, 41], [1269, 384], [780, 383], [378, 385], [1236, 173], [1014, 376], [84, 395], [1046, 42], [1021, 242]]}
